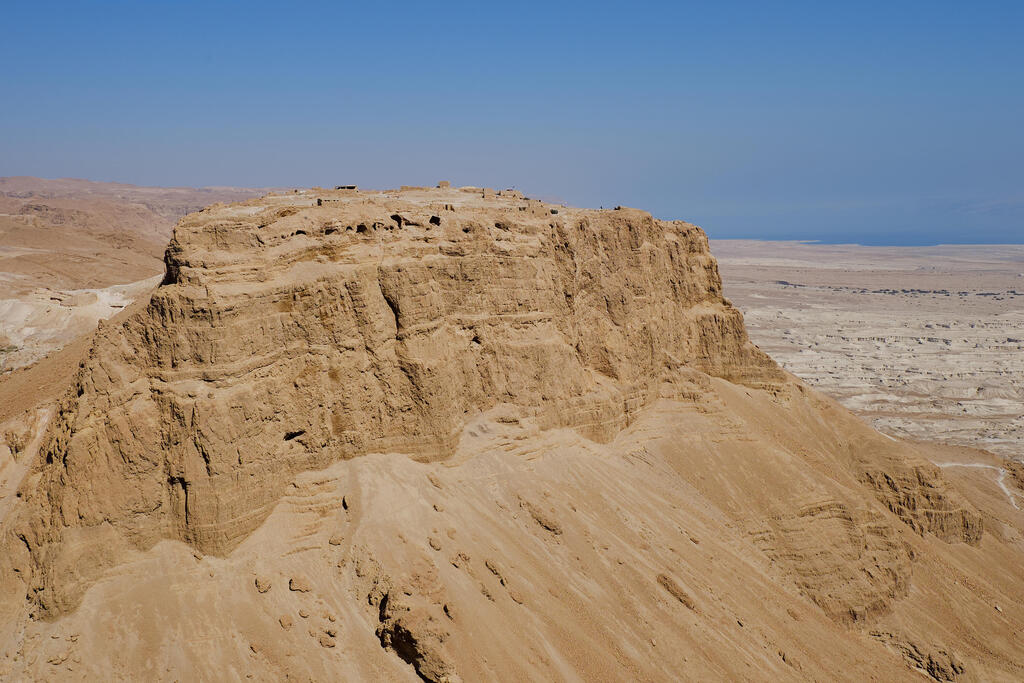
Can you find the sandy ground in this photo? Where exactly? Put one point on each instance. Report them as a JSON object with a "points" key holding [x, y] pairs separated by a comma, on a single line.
{"points": [[45, 319], [925, 343]]}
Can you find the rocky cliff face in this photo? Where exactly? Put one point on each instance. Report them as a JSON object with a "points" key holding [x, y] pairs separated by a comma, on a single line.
{"points": [[572, 382], [287, 336]]}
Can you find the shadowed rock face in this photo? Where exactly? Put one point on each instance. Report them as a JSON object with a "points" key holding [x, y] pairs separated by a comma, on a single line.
{"points": [[553, 376]]}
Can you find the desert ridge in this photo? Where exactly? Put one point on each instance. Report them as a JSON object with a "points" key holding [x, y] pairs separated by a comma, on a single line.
{"points": [[351, 431]]}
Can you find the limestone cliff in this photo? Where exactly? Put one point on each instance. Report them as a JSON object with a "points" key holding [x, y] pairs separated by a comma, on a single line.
{"points": [[571, 383], [287, 336]]}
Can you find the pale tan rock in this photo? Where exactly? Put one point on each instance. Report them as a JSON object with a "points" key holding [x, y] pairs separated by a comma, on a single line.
{"points": [[592, 309], [575, 394], [299, 584]]}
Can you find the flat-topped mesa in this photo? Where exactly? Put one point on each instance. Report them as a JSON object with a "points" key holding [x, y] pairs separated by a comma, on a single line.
{"points": [[299, 329]]}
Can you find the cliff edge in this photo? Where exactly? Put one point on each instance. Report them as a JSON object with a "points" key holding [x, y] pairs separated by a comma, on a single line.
{"points": [[544, 373]]}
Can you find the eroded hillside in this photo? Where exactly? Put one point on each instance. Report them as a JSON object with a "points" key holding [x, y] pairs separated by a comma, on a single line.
{"points": [[352, 432], [73, 252]]}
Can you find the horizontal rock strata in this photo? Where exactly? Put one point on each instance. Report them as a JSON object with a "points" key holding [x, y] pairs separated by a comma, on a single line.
{"points": [[288, 335]]}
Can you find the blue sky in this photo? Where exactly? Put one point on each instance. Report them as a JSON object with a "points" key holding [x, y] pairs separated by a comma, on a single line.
{"points": [[890, 122]]}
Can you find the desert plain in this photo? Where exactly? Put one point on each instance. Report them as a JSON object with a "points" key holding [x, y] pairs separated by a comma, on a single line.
{"points": [[925, 342]]}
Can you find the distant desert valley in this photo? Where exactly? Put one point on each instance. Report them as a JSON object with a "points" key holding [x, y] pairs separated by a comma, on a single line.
{"points": [[459, 434], [73, 252], [925, 342]]}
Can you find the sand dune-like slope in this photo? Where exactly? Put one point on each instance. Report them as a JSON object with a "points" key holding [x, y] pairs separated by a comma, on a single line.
{"points": [[443, 434]]}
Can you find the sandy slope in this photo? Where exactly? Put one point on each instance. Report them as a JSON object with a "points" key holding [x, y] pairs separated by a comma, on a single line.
{"points": [[540, 555]]}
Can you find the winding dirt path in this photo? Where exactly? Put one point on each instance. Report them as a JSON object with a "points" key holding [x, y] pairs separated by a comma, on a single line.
{"points": [[999, 480]]}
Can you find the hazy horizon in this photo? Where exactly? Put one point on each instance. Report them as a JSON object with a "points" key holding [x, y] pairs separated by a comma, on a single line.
{"points": [[865, 123]]}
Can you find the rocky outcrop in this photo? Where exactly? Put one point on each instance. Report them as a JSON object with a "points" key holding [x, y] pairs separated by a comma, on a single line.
{"points": [[599, 464], [291, 333], [918, 494], [287, 336], [936, 662], [848, 562]]}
